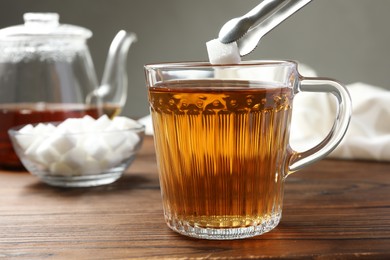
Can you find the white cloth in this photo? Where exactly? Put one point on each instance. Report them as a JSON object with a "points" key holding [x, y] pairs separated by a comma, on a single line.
{"points": [[368, 136]]}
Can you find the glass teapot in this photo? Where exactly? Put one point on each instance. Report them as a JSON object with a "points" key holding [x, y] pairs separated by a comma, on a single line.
{"points": [[47, 74]]}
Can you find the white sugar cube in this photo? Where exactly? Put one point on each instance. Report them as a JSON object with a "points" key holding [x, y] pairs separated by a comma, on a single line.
{"points": [[121, 122], [40, 128], [91, 166], [75, 157], [46, 153], [61, 169], [95, 146], [113, 159], [220, 53], [114, 139], [31, 151], [27, 137], [50, 128], [25, 141], [87, 123], [71, 125], [27, 129], [102, 123], [127, 148], [61, 142]]}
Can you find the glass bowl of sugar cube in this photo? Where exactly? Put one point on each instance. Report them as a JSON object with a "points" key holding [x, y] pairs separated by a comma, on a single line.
{"points": [[78, 152]]}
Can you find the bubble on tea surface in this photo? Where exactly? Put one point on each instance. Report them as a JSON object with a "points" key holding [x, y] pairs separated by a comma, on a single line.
{"points": [[199, 103], [220, 53]]}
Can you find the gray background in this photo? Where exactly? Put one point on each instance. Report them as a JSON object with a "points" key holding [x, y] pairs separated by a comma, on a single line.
{"points": [[344, 39]]}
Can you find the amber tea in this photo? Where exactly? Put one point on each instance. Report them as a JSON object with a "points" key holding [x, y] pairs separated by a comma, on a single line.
{"points": [[219, 152]]}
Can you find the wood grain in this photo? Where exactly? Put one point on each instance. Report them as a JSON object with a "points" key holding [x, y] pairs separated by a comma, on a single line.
{"points": [[333, 210]]}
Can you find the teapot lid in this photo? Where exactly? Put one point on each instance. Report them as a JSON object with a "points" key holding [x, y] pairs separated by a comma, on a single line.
{"points": [[43, 25]]}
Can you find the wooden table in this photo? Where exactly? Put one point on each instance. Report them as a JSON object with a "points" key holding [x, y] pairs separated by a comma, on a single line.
{"points": [[333, 210]]}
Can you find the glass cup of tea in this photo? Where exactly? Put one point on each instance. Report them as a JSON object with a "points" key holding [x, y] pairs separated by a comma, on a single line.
{"points": [[221, 136]]}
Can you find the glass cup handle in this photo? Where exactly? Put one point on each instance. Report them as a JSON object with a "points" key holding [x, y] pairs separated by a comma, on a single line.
{"points": [[299, 160]]}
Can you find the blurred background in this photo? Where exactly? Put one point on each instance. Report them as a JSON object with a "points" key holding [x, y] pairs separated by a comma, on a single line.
{"points": [[347, 40]]}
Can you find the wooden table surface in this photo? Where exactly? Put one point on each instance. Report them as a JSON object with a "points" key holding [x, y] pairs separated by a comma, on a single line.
{"points": [[332, 210]]}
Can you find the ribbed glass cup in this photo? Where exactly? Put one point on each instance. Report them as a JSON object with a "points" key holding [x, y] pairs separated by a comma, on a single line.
{"points": [[222, 143]]}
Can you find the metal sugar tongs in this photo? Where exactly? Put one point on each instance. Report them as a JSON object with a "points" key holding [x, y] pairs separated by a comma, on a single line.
{"points": [[248, 29]]}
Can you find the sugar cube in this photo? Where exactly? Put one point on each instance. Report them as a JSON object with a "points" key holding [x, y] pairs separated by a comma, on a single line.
{"points": [[220, 53]]}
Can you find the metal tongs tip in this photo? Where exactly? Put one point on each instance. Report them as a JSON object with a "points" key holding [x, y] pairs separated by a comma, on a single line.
{"points": [[248, 29]]}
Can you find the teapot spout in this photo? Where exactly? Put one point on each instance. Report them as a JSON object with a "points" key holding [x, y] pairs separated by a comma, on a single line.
{"points": [[112, 92]]}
